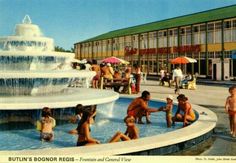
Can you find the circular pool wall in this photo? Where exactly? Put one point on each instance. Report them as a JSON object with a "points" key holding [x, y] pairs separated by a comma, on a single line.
{"points": [[161, 144]]}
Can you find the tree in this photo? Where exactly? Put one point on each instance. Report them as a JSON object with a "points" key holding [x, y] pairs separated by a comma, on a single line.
{"points": [[61, 49]]}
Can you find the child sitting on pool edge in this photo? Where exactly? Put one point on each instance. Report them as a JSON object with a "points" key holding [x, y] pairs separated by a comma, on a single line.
{"points": [[168, 109], [131, 132], [47, 124]]}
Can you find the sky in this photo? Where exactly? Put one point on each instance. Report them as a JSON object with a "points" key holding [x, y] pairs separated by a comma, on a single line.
{"points": [[71, 21]]}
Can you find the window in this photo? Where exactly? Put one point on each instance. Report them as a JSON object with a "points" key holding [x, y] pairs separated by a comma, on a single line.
{"points": [[210, 27], [196, 29], [160, 34], [150, 35], [165, 33], [188, 30], [141, 37], [234, 23], [171, 32], [175, 32], [227, 24], [202, 28], [218, 25], [154, 35], [182, 31]]}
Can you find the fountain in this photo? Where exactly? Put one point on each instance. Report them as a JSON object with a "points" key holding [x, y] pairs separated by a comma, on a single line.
{"points": [[33, 75]]}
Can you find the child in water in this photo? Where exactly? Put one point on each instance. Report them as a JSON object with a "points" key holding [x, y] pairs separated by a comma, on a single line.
{"points": [[78, 114], [79, 109], [131, 132], [168, 109], [47, 125], [230, 108]]}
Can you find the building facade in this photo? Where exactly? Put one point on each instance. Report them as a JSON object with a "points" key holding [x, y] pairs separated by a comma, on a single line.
{"points": [[209, 37]]}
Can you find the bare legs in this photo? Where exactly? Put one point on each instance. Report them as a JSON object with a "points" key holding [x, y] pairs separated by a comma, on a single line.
{"points": [[119, 136], [177, 82], [232, 120], [180, 118], [95, 84]]}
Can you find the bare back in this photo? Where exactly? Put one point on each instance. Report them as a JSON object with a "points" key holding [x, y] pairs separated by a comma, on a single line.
{"points": [[82, 133], [138, 103], [132, 132]]}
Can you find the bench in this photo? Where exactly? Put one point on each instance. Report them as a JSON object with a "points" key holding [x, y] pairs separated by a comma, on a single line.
{"points": [[111, 84]]}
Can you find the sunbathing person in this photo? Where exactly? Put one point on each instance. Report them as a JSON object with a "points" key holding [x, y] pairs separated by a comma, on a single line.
{"points": [[139, 108], [184, 112], [131, 132]]}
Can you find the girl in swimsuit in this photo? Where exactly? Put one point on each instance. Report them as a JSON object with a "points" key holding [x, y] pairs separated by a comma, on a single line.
{"points": [[47, 125], [83, 130], [187, 116]]}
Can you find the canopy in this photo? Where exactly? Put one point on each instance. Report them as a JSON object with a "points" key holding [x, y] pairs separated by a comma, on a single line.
{"points": [[183, 60], [114, 60]]}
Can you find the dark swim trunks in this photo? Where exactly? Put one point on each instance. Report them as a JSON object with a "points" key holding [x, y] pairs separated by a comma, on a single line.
{"points": [[83, 143], [46, 136]]}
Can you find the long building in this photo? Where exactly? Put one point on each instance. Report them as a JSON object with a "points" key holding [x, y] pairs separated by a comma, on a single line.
{"points": [[209, 37]]}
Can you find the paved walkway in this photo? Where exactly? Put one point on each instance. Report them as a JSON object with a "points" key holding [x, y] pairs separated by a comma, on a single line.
{"points": [[211, 97]]}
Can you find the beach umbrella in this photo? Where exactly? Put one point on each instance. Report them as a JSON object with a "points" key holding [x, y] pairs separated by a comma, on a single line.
{"points": [[114, 60], [124, 61], [183, 60], [74, 60]]}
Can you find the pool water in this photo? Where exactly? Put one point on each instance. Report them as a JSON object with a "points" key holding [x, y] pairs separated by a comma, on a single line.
{"points": [[23, 135]]}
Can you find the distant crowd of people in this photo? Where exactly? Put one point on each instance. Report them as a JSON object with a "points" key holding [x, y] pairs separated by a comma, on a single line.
{"points": [[113, 73], [177, 77]]}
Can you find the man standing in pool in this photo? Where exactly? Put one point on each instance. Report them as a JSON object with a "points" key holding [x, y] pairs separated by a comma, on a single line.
{"points": [[139, 108]]}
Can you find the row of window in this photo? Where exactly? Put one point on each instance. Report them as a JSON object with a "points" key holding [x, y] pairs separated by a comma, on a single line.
{"points": [[201, 28], [198, 38]]}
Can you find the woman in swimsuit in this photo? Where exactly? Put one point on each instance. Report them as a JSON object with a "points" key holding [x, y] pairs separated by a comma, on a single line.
{"points": [[184, 112], [83, 130]]}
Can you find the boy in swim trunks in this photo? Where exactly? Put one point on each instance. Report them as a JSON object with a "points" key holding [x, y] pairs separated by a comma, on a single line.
{"points": [[230, 108], [168, 109], [47, 125]]}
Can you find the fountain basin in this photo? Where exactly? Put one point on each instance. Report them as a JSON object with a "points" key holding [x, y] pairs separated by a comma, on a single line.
{"points": [[39, 82], [161, 144], [33, 60], [70, 98]]}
